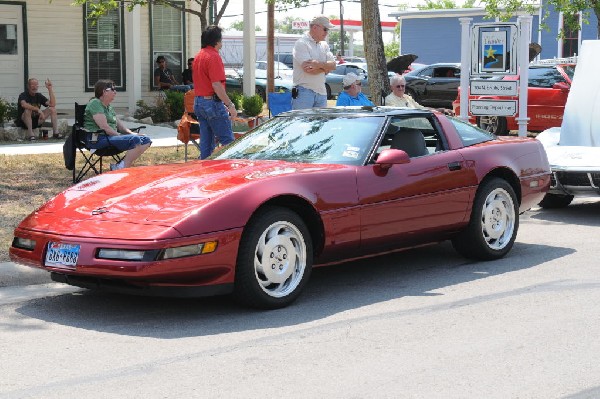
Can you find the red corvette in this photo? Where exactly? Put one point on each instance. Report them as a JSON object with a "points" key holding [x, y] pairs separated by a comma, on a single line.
{"points": [[306, 188]]}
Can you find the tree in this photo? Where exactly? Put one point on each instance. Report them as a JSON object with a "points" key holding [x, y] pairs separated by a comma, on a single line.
{"points": [[99, 8], [373, 42], [571, 9], [239, 25], [285, 26]]}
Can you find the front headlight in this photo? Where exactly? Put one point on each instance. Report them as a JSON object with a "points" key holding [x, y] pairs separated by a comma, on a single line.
{"points": [[23, 243]]}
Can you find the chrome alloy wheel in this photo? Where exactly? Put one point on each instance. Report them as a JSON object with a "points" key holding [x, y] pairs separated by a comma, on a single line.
{"points": [[489, 123], [498, 219], [280, 259]]}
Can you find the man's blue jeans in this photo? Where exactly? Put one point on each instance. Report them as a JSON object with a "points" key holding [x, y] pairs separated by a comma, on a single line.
{"points": [[214, 123], [309, 99]]}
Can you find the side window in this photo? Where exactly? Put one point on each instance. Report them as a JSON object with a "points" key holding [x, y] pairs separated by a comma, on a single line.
{"points": [[544, 77], [417, 136], [427, 72], [104, 48], [261, 65], [167, 24], [340, 70], [469, 134]]}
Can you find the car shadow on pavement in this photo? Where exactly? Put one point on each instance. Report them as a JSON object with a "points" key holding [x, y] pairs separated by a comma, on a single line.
{"points": [[330, 292], [582, 211]]}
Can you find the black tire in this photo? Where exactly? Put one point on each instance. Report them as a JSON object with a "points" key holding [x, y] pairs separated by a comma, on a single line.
{"points": [[494, 222], [329, 95], [553, 201], [276, 281], [261, 92], [494, 124]]}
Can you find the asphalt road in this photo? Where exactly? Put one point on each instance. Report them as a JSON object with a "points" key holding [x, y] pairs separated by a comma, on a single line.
{"points": [[425, 323]]}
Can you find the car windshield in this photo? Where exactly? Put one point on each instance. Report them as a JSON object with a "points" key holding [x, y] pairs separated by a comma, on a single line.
{"points": [[309, 139]]}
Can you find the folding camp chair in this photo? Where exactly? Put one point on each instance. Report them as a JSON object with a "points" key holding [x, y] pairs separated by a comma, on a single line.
{"points": [[78, 143], [189, 128], [279, 102]]}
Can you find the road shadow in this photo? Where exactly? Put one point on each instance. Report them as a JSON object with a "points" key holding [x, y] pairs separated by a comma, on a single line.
{"points": [[583, 212], [330, 291]]}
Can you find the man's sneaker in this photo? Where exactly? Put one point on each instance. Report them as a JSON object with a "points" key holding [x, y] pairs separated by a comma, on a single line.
{"points": [[117, 166]]}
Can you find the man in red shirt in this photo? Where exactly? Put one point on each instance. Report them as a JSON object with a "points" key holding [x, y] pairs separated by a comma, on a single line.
{"points": [[212, 106]]}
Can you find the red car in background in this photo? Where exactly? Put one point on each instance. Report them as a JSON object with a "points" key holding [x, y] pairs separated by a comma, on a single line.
{"points": [[548, 89]]}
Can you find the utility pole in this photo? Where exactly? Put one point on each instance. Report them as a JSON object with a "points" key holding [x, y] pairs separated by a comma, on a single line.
{"points": [[342, 28]]}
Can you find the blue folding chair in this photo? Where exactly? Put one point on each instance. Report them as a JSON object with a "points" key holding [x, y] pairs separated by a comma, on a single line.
{"points": [[279, 102]]}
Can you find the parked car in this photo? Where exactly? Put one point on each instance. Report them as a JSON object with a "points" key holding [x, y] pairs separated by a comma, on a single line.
{"points": [[434, 85], [281, 70], [255, 217], [286, 58], [547, 92], [234, 82], [574, 148]]}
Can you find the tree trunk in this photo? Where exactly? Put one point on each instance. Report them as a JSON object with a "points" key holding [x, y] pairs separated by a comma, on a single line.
{"points": [[373, 43]]}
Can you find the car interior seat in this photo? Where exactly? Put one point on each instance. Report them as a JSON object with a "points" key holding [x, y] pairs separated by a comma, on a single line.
{"points": [[411, 141]]}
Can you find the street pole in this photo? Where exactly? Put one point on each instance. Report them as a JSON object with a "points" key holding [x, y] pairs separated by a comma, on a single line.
{"points": [[342, 28]]}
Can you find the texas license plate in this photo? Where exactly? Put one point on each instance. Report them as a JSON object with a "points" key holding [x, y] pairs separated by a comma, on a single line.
{"points": [[62, 255]]}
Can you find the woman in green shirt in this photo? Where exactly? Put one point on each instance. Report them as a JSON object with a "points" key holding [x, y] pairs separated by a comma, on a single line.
{"points": [[99, 114]]}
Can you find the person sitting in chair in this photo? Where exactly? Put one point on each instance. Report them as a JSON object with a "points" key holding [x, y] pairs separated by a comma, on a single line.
{"points": [[164, 79], [99, 114], [399, 98], [352, 94], [30, 113]]}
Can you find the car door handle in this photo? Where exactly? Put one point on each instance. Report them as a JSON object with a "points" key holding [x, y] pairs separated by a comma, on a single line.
{"points": [[454, 166]]}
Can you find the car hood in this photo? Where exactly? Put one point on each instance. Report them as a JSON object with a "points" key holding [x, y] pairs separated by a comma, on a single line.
{"points": [[162, 195], [568, 157]]}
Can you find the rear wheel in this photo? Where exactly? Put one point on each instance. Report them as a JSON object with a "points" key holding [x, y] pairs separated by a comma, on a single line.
{"points": [[494, 222], [274, 259], [493, 124], [556, 201]]}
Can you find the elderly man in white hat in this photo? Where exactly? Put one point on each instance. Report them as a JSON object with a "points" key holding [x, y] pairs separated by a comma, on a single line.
{"points": [[352, 94], [312, 61]]}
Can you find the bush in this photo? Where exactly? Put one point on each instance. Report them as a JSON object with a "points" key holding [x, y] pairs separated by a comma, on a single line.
{"points": [[236, 98], [252, 105], [174, 103], [8, 111], [159, 112]]}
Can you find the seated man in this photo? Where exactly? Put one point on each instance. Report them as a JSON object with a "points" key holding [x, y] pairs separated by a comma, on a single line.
{"points": [[99, 114], [399, 98], [352, 94], [164, 79], [186, 75], [29, 109]]}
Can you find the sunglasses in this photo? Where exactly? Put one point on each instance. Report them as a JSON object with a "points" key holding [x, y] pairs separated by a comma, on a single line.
{"points": [[358, 83], [110, 89], [325, 29], [400, 86]]}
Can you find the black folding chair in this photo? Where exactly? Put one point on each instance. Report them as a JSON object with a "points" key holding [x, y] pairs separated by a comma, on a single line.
{"points": [[92, 158]]}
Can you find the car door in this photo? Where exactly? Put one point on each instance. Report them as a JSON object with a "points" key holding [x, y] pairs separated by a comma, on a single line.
{"points": [[429, 195], [547, 95]]}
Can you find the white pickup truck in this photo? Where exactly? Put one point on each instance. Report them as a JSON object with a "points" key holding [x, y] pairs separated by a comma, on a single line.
{"points": [[574, 148]]}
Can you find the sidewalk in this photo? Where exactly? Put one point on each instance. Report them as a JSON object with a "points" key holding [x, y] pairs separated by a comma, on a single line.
{"points": [[161, 137]]}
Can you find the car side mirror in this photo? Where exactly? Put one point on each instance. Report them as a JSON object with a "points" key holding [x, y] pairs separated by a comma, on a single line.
{"points": [[391, 157]]}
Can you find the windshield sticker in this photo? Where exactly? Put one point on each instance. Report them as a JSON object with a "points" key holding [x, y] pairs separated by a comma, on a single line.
{"points": [[351, 152]]}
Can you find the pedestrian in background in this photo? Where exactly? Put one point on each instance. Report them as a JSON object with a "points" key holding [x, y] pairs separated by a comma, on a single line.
{"points": [[212, 106], [312, 61]]}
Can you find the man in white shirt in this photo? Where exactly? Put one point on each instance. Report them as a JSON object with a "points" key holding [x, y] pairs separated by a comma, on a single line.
{"points": [[312, 61]]}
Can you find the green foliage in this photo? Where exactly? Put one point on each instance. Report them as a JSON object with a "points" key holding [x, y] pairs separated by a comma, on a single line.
{"points": [[158, 112], [252, 105], [8, 111], [391, 50], [506, 9], [174, 103], [236, 97], [239, 25]]}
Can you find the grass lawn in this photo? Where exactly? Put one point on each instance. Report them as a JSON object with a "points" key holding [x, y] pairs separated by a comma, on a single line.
{"points": [[28, 181]]}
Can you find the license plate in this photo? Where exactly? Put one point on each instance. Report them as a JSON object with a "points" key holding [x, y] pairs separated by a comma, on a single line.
{"points": [[62, 255]]}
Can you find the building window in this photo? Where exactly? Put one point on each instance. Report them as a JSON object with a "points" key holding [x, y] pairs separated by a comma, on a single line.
{"points": [[8, 39], [105, 49], [167, 25], [570, 42]]}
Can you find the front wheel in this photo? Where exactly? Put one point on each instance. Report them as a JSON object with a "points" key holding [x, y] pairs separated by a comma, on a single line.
{"points": [[494, 222], [494, 124], [274, 259], [552, 201]]}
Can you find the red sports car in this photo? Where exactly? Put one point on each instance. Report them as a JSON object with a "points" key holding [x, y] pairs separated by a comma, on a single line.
{"points": [[307, 188]]}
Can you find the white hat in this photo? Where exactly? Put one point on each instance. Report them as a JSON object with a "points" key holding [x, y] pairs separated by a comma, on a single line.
{"points": [[349, 79], [323, 21]]}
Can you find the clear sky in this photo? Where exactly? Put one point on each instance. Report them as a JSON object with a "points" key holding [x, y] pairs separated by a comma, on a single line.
{"points": [[351, 9]]}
